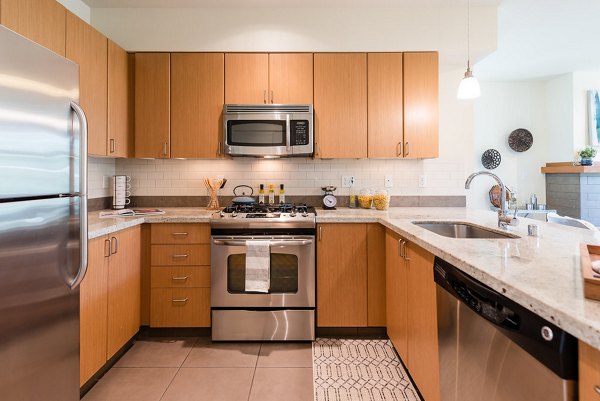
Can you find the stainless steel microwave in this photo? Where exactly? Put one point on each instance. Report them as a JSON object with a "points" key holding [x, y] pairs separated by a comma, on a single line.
{"points": [[269, 130]]}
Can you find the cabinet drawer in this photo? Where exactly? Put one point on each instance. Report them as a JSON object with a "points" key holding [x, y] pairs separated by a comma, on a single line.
{"points": [[180, 234], [589, 372], [180, 307], [180, 255], [180, 276]]}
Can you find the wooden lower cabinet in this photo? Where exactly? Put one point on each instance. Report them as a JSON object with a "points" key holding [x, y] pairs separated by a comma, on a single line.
{"points": [[109, 299], [376, 289], [411, 311], [180, 275], [589, 373]]}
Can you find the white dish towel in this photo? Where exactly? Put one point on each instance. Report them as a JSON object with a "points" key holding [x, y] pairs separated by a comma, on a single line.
{"points": [[258, 266]]}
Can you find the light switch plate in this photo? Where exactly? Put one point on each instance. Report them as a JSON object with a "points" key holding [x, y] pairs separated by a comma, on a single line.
{"points": [[388, 181], [422, 181]]}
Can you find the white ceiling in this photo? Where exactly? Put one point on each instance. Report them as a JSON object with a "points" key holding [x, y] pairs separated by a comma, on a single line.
{"points": [[539, 39], [278, 3]]}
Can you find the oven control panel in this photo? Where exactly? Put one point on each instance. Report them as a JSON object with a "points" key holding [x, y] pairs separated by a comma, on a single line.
{"points": [[299, 130]]}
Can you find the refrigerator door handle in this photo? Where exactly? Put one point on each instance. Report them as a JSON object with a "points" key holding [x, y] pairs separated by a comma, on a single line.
{"points": [[83, 215]]}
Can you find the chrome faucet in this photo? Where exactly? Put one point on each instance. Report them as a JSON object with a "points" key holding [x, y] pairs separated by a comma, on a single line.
{"points": [[504, 219]]}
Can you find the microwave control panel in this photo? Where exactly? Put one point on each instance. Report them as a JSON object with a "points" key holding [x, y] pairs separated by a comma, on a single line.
{"points": [[299, 132]]}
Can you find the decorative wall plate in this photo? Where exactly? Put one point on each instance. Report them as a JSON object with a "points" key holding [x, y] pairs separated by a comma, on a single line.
{"points": [[495, 192], [520, 140], [491, 159]]}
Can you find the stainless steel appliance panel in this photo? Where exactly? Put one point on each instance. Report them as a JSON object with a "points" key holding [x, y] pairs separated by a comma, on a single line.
{"points": [[273, 325], [301, 248], [38, 150], [480, 360], [39, 261]]}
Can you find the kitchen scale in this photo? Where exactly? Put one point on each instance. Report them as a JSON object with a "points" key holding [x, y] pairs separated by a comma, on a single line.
{"points": [[329, 199]]}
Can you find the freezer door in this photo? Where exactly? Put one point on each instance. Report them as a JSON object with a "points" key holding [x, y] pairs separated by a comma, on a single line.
{"points": [[39, 155], [39, 312]]}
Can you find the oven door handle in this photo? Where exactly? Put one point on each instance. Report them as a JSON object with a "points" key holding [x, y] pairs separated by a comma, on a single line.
{"points": [[271, 243]]}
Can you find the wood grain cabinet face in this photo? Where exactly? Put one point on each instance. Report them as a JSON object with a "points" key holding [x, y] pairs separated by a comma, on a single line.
{"points": [[42, 21], [385, 109], [246, 78], [376, 290], [340, 101], [197, 97], [396, 281], [89, 48], [342, 275], [152, 105], [290, 78], [421, 107], [589, 373], [120, 133]]}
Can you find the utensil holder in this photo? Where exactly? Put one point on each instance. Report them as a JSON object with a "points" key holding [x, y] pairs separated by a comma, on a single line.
{"points": [[213, 187]]}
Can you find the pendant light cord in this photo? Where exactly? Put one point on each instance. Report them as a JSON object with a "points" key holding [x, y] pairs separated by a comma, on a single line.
{"points": [[468, 34]]}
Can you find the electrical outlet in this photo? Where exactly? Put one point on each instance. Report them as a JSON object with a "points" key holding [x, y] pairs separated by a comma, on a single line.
{"points": [[422, 181], [105, 181], [348, 181], [388, 181]]}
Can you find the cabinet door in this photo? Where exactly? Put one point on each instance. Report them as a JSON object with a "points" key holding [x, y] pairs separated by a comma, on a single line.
{"points": [[340, 105], [291, 78], [421, 105], [197, 86], [89, 48], [589, 372], [42, 21], [385, 105], [342, 275], [376, 275], [120, 137], [92, 310], [246, 78], [123, 289], [396, 282], [152, 105], [423, 362]]}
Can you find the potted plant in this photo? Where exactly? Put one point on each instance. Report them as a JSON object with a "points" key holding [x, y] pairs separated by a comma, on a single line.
{"points": [[587, 155]]}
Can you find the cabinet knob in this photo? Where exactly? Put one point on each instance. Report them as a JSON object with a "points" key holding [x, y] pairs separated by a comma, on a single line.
{"points": [[184, 300], [320, 233], [407, 148], [597, 389], [399, 149], [115, 241], [272, 97], [112, 146], [180, 256], [265, 96], [165, 149], [183, 278], [180, 234]]}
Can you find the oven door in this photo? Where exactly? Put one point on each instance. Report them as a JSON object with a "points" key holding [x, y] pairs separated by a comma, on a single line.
{"points": [[258, 134], [292, 273]]}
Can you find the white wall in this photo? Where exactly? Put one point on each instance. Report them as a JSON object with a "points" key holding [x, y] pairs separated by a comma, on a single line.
{"points": [[78, 8], [502, 108], [98, 168], [559, 106]]}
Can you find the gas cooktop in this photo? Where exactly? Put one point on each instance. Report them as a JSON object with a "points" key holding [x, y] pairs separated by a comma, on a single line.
{"points": [[264, 216]]}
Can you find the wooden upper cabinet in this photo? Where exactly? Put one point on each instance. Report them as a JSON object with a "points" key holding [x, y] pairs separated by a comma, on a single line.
{"points": [[42, 21], [197, 90], [340, 99], [342, 275], [92, 310], [290, 78], [89, 48], [385, 108], [246, 78], [396, 303], [421, 105], [152, 105], [120, 135]]}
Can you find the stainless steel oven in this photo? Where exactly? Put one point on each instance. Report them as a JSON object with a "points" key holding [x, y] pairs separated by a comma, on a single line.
{"points": [[286, 312], [270, 130]]}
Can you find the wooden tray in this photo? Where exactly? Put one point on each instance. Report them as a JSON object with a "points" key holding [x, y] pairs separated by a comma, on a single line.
{"points": [[591, 279]]}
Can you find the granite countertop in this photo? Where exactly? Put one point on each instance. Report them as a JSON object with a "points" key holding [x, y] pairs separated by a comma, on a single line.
{"points": [[541, 273]]}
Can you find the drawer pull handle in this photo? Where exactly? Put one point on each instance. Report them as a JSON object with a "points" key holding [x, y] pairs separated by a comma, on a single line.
{"points": [[180, 234], [179, 278], [182, 256], [184, 300], [597, 389]]}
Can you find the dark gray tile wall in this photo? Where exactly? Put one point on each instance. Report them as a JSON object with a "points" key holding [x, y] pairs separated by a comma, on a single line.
{"points": [[574, 195]]}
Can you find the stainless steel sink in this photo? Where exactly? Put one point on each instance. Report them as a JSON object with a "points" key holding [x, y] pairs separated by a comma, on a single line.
{"points": [[462, 230]]}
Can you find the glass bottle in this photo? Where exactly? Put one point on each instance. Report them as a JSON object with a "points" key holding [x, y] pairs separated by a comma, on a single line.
{"points": [[281, 194], [271, 194], [352, 196], [261, 194]]}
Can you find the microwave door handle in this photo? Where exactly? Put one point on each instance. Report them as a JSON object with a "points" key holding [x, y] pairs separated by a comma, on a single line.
{"points": [[287, 134], [271, 243]]}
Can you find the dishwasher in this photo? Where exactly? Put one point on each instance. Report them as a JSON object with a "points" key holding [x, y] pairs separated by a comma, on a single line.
{"points": [[493, 349]]}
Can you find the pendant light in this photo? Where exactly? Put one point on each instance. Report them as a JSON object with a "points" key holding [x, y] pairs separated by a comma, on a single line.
{"points": [[469, 86]]}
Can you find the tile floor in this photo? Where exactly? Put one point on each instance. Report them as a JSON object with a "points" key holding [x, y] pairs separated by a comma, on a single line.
{"points": [[186, 369]]}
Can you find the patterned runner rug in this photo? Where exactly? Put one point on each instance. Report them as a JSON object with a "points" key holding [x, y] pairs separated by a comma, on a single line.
{"points": [[359, 370]]}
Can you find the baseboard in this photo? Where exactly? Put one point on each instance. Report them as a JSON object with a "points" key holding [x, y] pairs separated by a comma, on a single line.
{"points": [[352, 332]]}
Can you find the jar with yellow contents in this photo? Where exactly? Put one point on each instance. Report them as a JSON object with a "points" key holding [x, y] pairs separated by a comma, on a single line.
{"points": [[365, 199], [381, 199]]}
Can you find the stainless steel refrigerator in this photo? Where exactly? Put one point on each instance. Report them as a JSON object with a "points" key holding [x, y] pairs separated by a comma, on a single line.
{"points": [[43, 221]]}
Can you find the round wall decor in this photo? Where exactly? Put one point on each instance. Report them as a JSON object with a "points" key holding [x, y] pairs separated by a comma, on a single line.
{"points": [[491, 159], [520, 140]]}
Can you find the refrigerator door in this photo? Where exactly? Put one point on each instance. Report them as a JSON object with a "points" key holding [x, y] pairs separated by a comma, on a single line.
{"points": [[39, 155], [39, 312]]}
